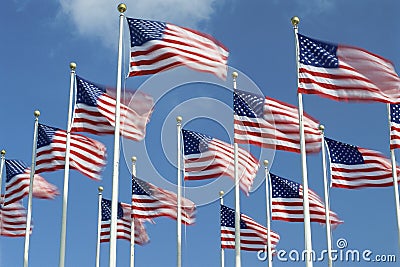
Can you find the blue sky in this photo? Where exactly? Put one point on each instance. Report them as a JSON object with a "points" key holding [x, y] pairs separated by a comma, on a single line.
{"points": [[40, 40]]}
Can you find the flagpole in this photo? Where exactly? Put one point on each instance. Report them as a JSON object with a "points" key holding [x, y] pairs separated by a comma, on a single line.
{"points": [[32, 175], [61, 263], [3, 156], [395, 183], [306, 205], [114, 198], [326, 198], [100, 189], [237, 193], [221, 201], [268, 213], [179, 196], [133, 218]]}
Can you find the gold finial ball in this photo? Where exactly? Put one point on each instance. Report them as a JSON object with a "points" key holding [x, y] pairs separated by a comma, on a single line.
{"points": [[321, 127], [295, 20], [122, 8], [72, 65], [265, 162], [134, 159], [221, 193], [3, 152], [235, 75], [36, 113], [101, 189], [179, 119]]}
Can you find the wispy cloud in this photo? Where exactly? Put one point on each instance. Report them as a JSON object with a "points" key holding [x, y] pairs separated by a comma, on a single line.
{"points": [[99, 18]]}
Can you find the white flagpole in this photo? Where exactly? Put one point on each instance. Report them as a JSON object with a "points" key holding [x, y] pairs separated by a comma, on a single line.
{"points": [[237, 193], [61, 263], [395, 183], [133, 218], [179, 196], [114, 198], [326, 198], [268, 213], [29, 212], [306, 204], [3, 154], [221, 201], [99, 227]]}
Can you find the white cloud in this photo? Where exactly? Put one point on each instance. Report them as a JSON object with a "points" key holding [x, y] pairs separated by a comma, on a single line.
{"points": [[99, 18]]}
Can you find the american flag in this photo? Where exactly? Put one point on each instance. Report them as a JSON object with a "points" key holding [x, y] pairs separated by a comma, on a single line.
{"points": [[354, 167], [394, 126], [150, 201], [18, 180], [206, 157], [269, 123], [86, 155], [95, 111], [13, 219], [253, 236], [287, 203], [123, 224], [346, 73], [158, 46]]}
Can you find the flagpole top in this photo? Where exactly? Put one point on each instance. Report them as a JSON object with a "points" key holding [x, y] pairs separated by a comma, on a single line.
{"points": [[72, 65], [179, 119], [221, 193], [133, 159], [3, 152], [36, 113], [266, 162], [100, 189], [235, 75], [321, 127], [121, 8], [295, 21]]}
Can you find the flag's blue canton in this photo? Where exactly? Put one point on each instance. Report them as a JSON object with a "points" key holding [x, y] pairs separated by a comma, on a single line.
{"points": [[143, 31], [283, 188], [317, 53], [344, 153], [45, 135], [228, 218], [140, 187], [13, 168], [195, 143], [395, 113], [87, 92], [247, 104], [106, 210]]}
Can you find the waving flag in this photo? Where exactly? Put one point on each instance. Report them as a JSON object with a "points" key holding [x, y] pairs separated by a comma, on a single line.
{"points": [[95, 111], [269, 123], [12, 219], [253, 236], [18, 181], [206, 157], [123, 224], [287, 202], [150, 201], [354, 167], [86, 155], [158, 46], [394, 126], [346, 73]]}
